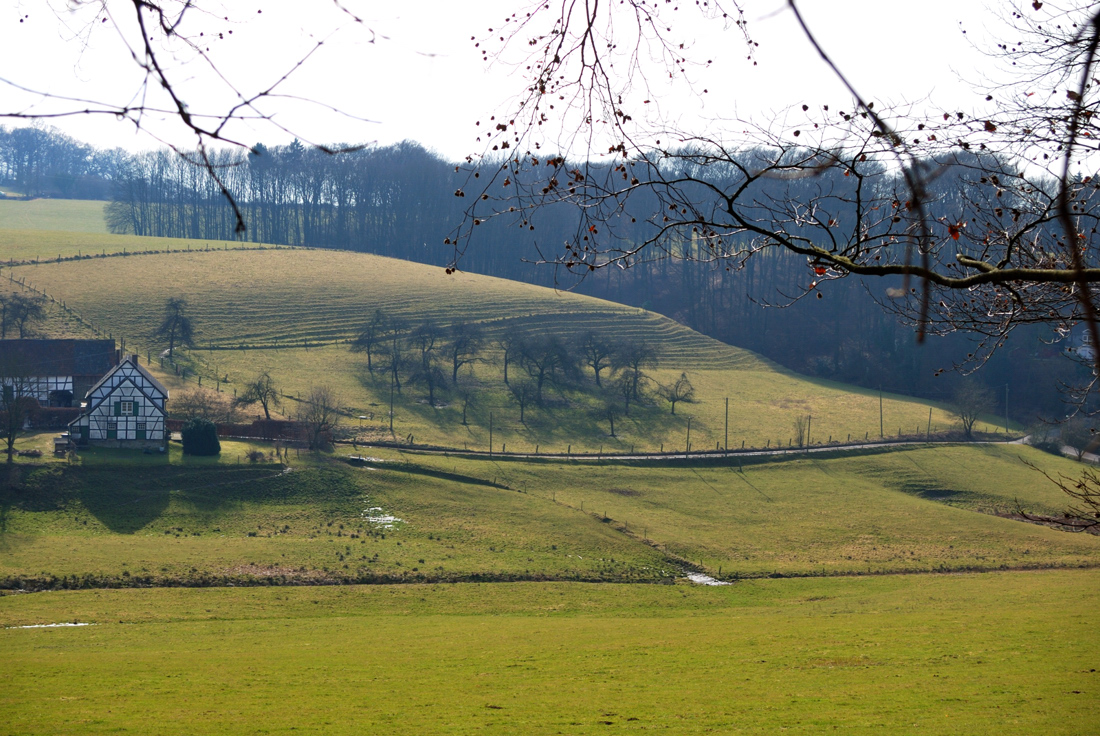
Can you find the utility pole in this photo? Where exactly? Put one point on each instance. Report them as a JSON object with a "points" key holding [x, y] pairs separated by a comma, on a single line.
{"points": [[880, 433], [727, 424], [688, 445]]}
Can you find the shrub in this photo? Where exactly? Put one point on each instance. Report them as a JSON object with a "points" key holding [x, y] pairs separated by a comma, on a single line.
{"points": [[255, 456], [200, 437], [1046, 438]]}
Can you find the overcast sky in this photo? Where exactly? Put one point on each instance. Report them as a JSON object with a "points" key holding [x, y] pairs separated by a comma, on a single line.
{"points": [[410, 70]]}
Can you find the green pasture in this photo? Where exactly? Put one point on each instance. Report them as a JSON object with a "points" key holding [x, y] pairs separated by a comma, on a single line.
{"points": [[291, 312], [70, 215], [113, 520], [37, 245], [1003, 653]]}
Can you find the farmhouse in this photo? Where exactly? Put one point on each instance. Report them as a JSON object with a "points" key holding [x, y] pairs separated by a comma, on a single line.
{"points": [[124, 409], [55, 371]]}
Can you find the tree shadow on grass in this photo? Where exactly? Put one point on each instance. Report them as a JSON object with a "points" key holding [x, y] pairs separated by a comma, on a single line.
{"points": [[123, 506]]}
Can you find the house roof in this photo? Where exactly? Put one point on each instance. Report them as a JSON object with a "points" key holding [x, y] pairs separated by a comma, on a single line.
{"points": [[145, 374], [60, 357]]}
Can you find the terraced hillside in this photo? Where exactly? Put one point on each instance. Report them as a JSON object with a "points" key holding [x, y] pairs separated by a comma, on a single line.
{"points": [[290, 312]]}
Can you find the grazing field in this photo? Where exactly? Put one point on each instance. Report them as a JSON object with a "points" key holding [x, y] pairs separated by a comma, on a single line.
{"points": [[1002, 653], [118, 519], [72, 215], [291, 313]]}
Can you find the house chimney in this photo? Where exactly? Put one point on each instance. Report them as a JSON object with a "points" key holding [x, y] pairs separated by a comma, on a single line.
{"points": [[134, 359]]}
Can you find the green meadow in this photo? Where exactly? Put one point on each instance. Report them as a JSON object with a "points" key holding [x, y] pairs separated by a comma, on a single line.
{"points": [[65, 215], [117, 519], [1000, 653], [884, 590]]}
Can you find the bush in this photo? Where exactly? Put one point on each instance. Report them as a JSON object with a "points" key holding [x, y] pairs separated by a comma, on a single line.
{"points": [[200, 437], [1046, 438], [255, 456]]}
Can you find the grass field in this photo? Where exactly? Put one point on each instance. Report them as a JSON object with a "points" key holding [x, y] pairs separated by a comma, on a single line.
{"points": [[899, 655], [72, 215], [149, 519], [259, 308]]}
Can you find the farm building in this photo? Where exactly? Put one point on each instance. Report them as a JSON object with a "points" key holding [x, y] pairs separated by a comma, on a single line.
{"points": [[55, 372], [125, 409]]}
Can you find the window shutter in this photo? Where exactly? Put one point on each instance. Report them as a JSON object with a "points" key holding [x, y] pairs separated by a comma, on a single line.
{"points": [[118, 408], [137, 407]]}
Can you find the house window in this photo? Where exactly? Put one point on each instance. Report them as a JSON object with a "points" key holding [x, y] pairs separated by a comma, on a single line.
{"points": [[127, 409], [141, 426]]}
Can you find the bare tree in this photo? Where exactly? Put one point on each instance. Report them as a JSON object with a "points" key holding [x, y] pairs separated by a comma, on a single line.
{"points": [[510, 341], [176, 327], [625, 387], [393, 350], [319, 415], [19, 312], [969, 401], [848, 188], [1078, 433], [172, 43], [523, 393], [633, 359], [464, 345], [17, 400], [546, 358], [202, 403], [677, 391], [260, 390], [425, 339], [801, 428], [370, 336], [597, 353]]}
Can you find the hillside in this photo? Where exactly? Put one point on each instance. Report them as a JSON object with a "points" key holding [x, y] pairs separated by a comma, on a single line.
{"points": [[150, 519], [291, 312], [71, 215]]}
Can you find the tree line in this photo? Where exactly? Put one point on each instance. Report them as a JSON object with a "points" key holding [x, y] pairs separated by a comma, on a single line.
{"points": [[404, 202]]}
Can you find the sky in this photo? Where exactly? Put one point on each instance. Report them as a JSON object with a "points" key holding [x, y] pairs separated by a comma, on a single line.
{"points": [[386, 72]]}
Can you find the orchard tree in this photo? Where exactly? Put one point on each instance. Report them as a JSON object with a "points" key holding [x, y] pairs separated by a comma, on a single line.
{"points": [[597, 353], [19, 312], [176, 326], [465, 340], [370, 336], [260, 390], [969, 401], [678, 391]]}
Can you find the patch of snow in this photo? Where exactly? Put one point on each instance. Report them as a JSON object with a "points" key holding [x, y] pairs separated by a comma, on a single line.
{"points": [[700, 579], [48, 626]]}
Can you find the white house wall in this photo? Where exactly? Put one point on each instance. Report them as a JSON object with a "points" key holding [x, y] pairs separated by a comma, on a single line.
{"points": [[107, 417], [39, 387]]}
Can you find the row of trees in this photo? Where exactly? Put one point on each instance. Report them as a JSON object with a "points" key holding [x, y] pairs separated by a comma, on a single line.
{"points": [[432, 356], [40, 161]]}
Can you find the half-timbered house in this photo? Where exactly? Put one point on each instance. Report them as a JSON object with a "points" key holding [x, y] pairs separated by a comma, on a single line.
{"points": [[55, 372], [125, 409]]}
